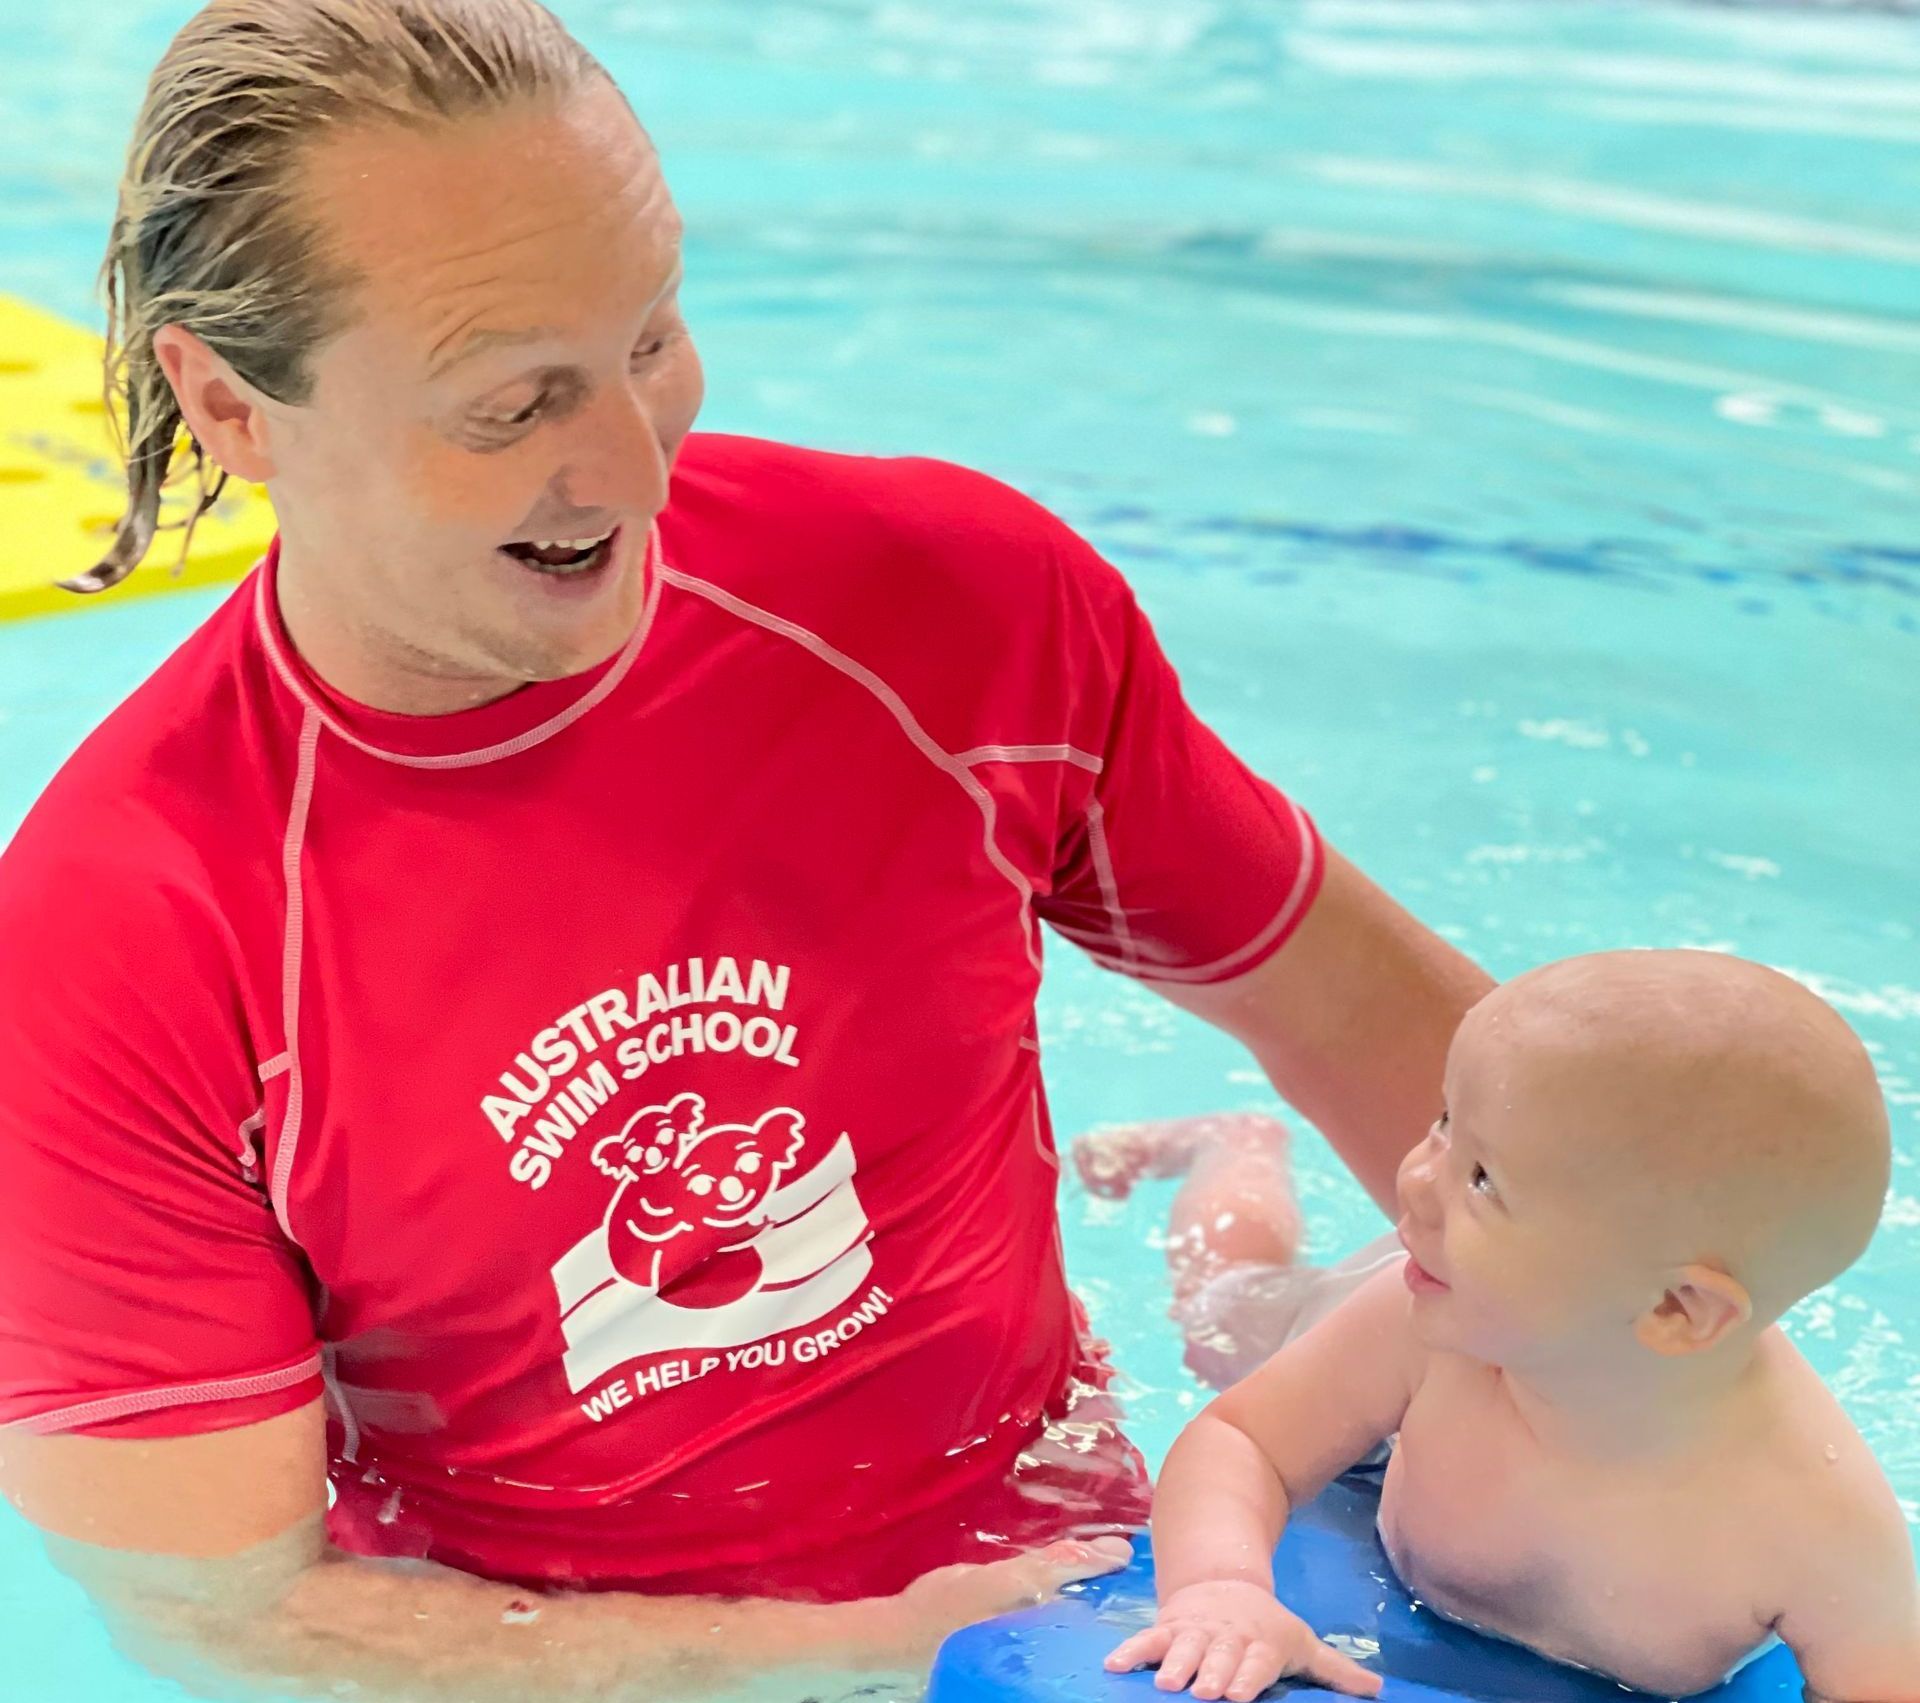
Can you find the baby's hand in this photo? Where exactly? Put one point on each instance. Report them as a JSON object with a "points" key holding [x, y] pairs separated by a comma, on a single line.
{"points": [[1229, 1638]]}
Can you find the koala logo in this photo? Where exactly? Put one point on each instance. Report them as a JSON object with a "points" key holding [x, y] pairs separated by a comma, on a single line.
{"points": [[691, 1199]]}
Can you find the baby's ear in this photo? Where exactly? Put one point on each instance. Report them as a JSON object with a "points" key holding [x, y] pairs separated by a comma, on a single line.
{"points": [[1700, 1309]]}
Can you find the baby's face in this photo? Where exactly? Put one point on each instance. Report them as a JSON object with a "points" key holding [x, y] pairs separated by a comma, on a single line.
{"points": [[1518, 1213]]}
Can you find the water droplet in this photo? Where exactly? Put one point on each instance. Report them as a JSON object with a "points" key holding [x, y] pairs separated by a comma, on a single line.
{"points": [[1832, 1453]]}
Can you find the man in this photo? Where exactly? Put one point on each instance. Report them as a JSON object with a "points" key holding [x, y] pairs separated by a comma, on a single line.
{"points": [[533, 1005]]}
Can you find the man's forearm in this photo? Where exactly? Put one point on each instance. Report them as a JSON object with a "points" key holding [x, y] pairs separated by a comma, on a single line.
{"points": [[417, 1633]]}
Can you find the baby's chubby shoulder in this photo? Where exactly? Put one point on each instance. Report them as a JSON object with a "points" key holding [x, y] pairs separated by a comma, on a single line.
{"points": [[1814, 1472], [1841, 1589]]}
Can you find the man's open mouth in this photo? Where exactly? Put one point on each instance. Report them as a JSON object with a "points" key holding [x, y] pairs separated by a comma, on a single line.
{"points": [[563, 557]]}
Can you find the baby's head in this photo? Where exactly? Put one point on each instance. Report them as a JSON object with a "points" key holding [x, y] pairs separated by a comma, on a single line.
{"points": [[1640, 1151]]}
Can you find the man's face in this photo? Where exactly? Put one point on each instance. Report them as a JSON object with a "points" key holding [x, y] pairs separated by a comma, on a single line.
{"points": [[515, 371]]}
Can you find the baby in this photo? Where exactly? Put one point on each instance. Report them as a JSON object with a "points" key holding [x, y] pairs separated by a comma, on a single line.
{"points": [[1607, 1448]]}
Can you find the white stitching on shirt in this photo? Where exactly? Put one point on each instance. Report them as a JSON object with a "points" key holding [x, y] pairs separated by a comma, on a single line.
{"points": [[1032, 754], [248, 1130], [290, 953], [171, 1395], [349, 1421], [602, 689], [1221, 968], [1096, 823], [1109, 886], [1049, 1159], [891, 700]]}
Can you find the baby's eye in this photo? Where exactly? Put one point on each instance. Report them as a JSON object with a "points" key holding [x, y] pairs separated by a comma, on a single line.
{"points": [[1483, 1184]]}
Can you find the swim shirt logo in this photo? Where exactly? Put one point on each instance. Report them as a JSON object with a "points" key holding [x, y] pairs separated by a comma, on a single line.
{"points": [[692, 1200], [715, 1238]]}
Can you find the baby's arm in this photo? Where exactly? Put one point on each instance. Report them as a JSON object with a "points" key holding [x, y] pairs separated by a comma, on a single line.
{"points": [[1853, 1620], [1272, 1442]]}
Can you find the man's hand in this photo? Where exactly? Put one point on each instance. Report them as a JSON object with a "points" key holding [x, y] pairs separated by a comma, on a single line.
{"points": [[209, 1556], [911, 1626], [1230, 1638]]}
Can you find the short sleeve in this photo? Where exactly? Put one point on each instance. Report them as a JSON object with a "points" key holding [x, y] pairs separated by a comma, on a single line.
{"points": [[1174, 861], [146, 1288]]}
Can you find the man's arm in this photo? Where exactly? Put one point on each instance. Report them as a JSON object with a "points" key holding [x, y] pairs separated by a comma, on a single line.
{"points": [[209, 1556], [1351, 1020]]}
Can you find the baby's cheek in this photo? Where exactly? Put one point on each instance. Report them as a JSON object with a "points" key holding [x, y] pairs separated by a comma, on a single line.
{"points": [[1486, 1289]]}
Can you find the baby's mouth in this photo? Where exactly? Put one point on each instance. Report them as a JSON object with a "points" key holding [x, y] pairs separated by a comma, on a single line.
{"points": [[1419, 1279]]}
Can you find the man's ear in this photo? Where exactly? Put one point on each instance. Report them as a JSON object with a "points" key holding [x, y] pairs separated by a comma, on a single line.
{"points": [[226, 414], [1701, 1307]]}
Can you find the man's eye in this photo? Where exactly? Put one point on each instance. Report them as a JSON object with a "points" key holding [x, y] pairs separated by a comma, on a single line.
{"points": [[1483, 1184], [523, 417], [488, 421]]}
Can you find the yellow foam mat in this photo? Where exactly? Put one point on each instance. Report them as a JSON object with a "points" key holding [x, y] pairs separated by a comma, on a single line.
{"points": [[62, 491]]}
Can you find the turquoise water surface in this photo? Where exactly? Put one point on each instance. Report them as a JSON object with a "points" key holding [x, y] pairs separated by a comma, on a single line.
{"points": [[1510, 413]]}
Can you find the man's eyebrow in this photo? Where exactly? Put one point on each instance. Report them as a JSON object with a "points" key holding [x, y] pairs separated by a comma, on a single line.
{"points": [[482, 342]]}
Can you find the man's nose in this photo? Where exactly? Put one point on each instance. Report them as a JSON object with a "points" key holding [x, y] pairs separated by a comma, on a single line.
{"points": [[617, 464]]}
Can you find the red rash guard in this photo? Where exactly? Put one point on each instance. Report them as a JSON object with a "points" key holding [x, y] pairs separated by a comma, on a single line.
{"points": [[623, 1099]]}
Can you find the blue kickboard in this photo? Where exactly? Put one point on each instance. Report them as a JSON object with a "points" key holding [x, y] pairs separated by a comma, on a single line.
{"points": [[1331, 1571]]}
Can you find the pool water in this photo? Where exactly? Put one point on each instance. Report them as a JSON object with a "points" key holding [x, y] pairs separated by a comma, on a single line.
{"points": [[1510, 413]]}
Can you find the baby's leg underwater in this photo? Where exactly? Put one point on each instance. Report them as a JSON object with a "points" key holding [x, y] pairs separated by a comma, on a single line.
{"points": [[1234, 1234]]}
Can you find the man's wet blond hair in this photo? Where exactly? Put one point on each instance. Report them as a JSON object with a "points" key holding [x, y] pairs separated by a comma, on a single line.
{"points": [[212, 231]]}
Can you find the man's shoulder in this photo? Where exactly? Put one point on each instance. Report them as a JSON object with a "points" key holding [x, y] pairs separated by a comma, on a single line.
{"points": [[981, 608], [154, 799], [933, 530]]}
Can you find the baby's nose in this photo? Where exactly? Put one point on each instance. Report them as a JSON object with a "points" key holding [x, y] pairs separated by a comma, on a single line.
{"points": [[1415, 1182]]}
